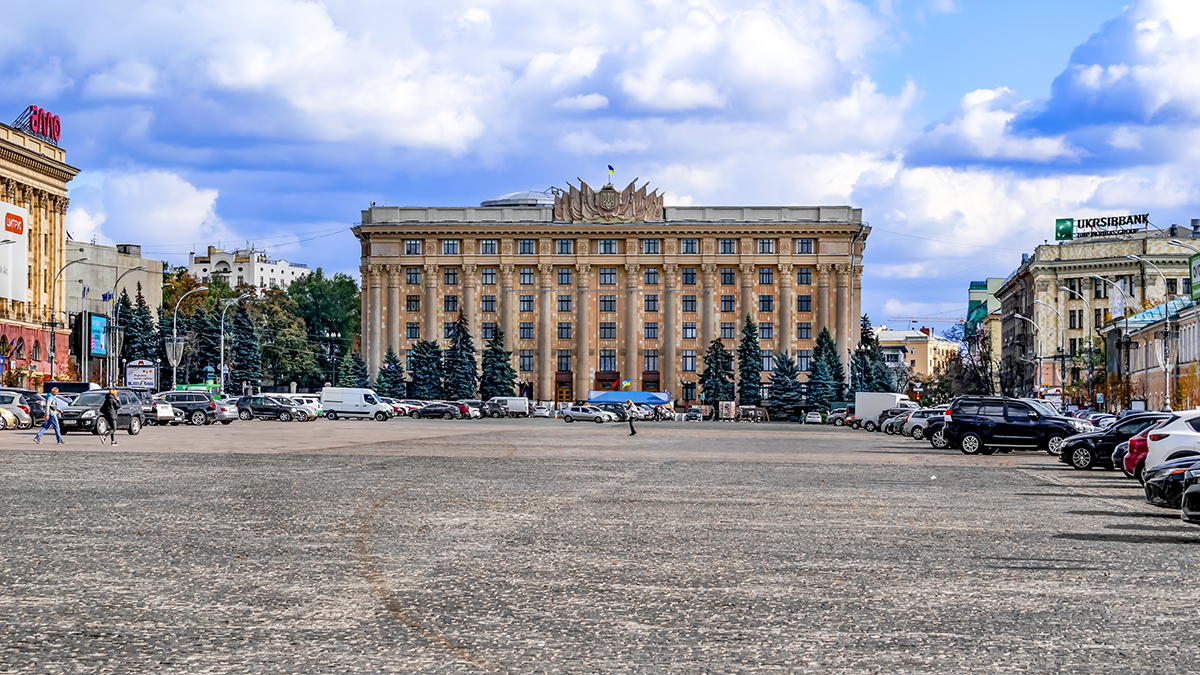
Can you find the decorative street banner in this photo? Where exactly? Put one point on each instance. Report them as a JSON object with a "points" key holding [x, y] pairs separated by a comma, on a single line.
{"points": [[14, 253], [1065, 229], [99, 335]]}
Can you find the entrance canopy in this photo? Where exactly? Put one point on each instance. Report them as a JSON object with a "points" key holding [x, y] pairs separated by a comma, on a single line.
{"points": [[648, 397]]}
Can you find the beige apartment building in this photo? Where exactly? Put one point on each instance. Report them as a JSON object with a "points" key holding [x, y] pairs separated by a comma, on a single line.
{"points": [[592, 287], [921, 352]]}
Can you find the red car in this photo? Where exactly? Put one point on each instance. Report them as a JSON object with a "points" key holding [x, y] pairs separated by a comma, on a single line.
{"points": [[1135, 458]]}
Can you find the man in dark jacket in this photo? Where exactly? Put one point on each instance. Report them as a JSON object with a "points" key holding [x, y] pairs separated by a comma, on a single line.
{"points": [[108, 410]]}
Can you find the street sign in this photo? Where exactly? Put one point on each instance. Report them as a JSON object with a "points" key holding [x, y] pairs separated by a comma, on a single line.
{"points": [[1194, 266]]}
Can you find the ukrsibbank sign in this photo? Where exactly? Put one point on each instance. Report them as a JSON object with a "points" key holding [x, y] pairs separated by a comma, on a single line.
{"points": [[1067, 229], [14, 253]]}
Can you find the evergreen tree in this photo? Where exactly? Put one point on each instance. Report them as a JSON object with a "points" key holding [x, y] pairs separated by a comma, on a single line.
{"points": [[160, 349], [427, 371], [203, 341], [716, 382], [461, 372], [497, 377], [821, 386], [826, 352], [390, 380], [786, 391], [871, 372], [141, 333], [359, 375], [125, 309], [749, 365], [245, 354], [345, 370]]}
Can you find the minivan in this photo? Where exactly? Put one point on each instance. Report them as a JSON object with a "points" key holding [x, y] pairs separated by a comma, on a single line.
{"points": [[352, 402], [512, 406]]}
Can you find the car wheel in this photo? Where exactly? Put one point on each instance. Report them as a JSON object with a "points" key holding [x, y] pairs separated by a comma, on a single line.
{"points": [[448, 416], [331, 415], [245, 415], [285, 416], [381, 416], [1054, 444], [226, 422], [301, 416], [599, 420], [855, 425], [196, 418], [568, 419], [415, 415], [970, 444], [101, 427], [870, 425], [1082, 458], [135, 426], [918, 433], [839, 422], [495, 414], [1138, 472], [4, 424], [25, 425]]}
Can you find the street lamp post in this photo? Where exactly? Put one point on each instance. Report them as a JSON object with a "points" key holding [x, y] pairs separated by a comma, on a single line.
{"points": [[1166, 335], [173, 355], [1036, 350], [1091, 350], [117, 318], [1062, 358], [53, 320], [228, 304]]}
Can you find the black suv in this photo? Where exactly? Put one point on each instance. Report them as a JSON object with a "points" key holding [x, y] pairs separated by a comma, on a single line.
{"points": [[983, 424], [198, 407], [84, 412], [265, 408], [1096, 448]]}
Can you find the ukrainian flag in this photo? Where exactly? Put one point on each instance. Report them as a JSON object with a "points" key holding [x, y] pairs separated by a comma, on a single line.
{"points": [[626, 383], [610, 172]]}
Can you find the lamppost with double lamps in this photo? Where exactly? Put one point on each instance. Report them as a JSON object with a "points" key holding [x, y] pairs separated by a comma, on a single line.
{"points": [[175, 354], [53, 319], [1166, 334], [114, 347], [1091, 350], [1062, 355], [1036, 350], [228, 304], [1126, 341]]}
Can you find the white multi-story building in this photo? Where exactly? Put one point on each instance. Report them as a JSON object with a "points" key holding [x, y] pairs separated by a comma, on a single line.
{"points": [[245, 267]]}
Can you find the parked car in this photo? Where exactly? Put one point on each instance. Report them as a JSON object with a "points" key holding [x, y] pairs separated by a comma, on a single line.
{"points": [[7, 420], [84, 413], [1118, 457], [37, 407], [160, 412], [266, 408], [587, 412], [617, 409], [438, 409], [311, 399], [305, 411], [916, 421], [512, 406], [354, 402], [935, 431], [1189, 504], [1164, 484], [1135, 457], [1095, 448], [17, 405], [694, 414], [227, 411], [813, 417], [474, 405], [982, 424], [838, 416], [197, 407], [1178, 437], [887, 414], [541, 411]]}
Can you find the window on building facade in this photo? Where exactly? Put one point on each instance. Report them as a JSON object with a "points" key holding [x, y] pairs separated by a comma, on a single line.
{"points": [[448, 329], [526, 246], [564, 246], [727, 303], [1171, 286], [608, 330], [241, 279], [768, 359], [1099, 317], [766, 331], [1099, 289], [766, 303], [487, 247], [413, 303], [728, 329], [1186, 282], [805, 276], [688, 303], [488, 303], [688, 360], [1073, 286], [564, 276], [449, 247], [608, 303], [728, 246], [892, 357], [412, 276], [728, 276], [526, 303], [803, 303], [803, 359], [651, 276], [1073, 347], [607, 361], [689, 276], [651, 246], [564, 303], [526, 276], [450, 303], [412, 330], [689, 391], [526, 359], [608, 276], [412, 247], [766, 275], [1071, 322], [488, 276], [651, 303], [766, 246], [526, 330], [689, 246], [804, 246], [689, 330], [650, 330], [564, 330], [450, 276], [650, 361], [804, 330], [564, 360], [488, 330], [408, 359], [607, 247]]}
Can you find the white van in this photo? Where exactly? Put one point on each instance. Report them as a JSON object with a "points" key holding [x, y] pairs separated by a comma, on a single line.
{"points": [[511, 406], [347, 402]]}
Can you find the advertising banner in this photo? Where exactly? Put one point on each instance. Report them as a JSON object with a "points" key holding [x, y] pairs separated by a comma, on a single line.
{"points": [[98, 335], [14, 253], [140, 375]]}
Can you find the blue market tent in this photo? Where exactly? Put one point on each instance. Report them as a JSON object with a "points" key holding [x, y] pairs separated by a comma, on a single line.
{"points": [[649, 397]]}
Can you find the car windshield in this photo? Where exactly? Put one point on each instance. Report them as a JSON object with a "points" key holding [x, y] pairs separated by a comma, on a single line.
{"points": [[1042, 408], [90, 398]]}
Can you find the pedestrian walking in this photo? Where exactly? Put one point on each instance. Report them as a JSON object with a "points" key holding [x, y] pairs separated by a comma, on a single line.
{"points": [[109, 410], [630, 411], [52, 407]]}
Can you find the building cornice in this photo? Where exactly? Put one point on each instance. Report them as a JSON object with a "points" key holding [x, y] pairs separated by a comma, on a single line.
{"points": [[52, 168]]}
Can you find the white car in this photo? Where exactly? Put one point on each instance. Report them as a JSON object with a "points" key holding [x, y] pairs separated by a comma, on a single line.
{"points": [[540, 411], [1178, 438], [813, 418], [587, 412], [305, 411]]}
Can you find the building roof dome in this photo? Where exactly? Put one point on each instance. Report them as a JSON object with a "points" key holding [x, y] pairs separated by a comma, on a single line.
{"points": [[526, 198]]}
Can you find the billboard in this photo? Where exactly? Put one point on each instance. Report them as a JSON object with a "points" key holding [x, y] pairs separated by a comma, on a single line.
{"points": [[140, 375], [14, 256], [98, 335], [1064, 229]]}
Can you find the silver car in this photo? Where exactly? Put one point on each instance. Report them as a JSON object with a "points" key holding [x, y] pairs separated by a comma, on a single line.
{"points": [[916, 422], [587, 412], [17, 405], [305, 411]]}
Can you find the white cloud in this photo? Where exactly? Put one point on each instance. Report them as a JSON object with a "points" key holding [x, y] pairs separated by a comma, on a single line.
{"points": [[564, 69], [582, 102], [982, 130], [1125, 138], [128, 78]]}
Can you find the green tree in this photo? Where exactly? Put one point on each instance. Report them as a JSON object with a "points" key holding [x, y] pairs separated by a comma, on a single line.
{"points": [[328, 305], [245, 353], [716, 381], [826, 352], [203, 345], [461, 377], [786, 391], [141, 332], [822, 389], [870, 369], [390, 380], [749, 386], [427, 371], [497, 376], [125, 309], [287, 354], [345, 371], [359, 375]]}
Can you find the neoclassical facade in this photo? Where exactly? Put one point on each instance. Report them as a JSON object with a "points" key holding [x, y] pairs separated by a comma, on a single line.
{"points": [[595, 287]]}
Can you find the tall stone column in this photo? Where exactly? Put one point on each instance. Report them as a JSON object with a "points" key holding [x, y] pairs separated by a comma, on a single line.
{"points": [[508, 308], [583, 332], [748, 306], [364, 316], [632, 369], [469, 306], [787, 308], [707, 310], [393, 310], [822, 298], [376, 355], [668, 336], [432, 330], [546, 335], [842, 338], [856, 305]]}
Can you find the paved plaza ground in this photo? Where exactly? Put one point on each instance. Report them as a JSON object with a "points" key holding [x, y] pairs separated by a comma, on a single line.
{"points": [[531, 546]]}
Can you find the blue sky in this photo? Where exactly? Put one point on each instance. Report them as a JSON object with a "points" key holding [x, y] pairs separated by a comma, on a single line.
{"points": [[961, 127]]}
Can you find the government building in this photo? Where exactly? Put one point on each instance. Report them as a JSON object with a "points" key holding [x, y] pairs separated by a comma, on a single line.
{"points": [[593, 287]]}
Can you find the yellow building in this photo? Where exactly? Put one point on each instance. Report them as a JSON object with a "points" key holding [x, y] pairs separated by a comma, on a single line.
{"points": [[921, 352]]}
